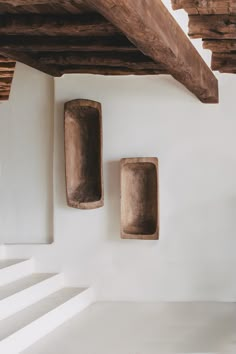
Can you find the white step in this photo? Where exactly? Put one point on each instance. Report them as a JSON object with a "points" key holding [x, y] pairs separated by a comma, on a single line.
{"points": [[23, 329], [23, 292], [14, 269]]}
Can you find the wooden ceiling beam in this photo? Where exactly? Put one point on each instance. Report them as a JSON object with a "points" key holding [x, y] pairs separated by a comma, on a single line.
{"points": [[134, 61], [7, 68], [224, 62], [104, 70], [220, 46], [116, 43], [205, 7], [150, 26], [63, 25], [212, 26], [28, 60]]}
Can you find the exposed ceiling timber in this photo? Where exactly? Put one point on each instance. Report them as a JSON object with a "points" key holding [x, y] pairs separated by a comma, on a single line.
{"points": [[116, 43], [7, 68], [212, 26], [26, 59], [205, 7], [155, 32], [103, 36], [215, 22], [63, 25]]}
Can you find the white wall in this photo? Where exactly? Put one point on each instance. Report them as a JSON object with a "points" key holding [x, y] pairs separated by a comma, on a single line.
{"points": [[196, 146], [26, 142]]}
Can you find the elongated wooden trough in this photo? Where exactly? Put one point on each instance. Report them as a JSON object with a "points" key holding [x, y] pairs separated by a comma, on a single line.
{"points": [[83, 154], [139, 198]]}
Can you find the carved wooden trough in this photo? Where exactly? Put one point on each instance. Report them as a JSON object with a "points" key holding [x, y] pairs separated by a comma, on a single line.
{"points": [[83, 154], [139, 198]]}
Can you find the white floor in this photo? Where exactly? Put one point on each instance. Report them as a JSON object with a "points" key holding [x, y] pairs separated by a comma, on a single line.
{"points": [[141, 328]]}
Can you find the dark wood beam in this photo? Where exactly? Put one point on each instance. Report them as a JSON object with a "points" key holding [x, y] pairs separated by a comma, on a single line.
{"points": [[150, 26], [7, 68], [205, 7], [220, 46], [38, 2], [63, 25], [134, 61], [116, 43], [104, 70], [26, 59], [212, 26], [224, 62]]}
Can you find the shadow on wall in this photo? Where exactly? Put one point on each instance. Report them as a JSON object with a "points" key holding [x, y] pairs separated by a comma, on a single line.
{"points": [[59, 168], [112, 204]]}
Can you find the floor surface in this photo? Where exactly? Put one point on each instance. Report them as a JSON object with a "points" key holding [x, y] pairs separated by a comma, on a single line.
{"points": [[141, 328]]}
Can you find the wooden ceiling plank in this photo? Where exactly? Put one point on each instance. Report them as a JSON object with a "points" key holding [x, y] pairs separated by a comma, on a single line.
{"points": [[212, 26], [26, 59], [154, 31], [224, 62], [104, 70], [128, 60], [220, 46], [117, 43], [7, 67], [205, 7], [63, 25]]}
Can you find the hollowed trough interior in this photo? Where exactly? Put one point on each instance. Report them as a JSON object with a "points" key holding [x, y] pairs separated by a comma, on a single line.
{"points": [[83, 154], [139, 202]]}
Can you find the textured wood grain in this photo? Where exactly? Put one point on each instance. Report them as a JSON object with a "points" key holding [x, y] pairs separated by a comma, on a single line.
{"points": [[154, 31], [83, 154], [139, 198], [116, 43], [215, 22], [224, 62], [7, 68], [213, 26], [129, 60], [220, 46], [30, 61], [205, 7], [66, 25], [111, 70]]}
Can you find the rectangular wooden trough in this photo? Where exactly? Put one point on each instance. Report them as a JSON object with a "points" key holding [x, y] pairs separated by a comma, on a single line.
{"points": [[83, 154], [139, 198]]}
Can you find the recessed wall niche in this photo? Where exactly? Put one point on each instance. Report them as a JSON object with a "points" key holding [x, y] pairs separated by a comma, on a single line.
{"points": [[139, 198], [83, 154]]}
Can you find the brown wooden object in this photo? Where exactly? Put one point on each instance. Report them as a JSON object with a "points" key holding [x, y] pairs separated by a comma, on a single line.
{"points": [[7, 68], [215, 22], [139, 198], [83, 154], [108, 37]]}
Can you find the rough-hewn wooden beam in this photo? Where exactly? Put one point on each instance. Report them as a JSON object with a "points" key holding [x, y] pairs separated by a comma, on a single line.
{"points": [[134, 61], [116, 43], [220, 46], [104, 70], [224, 62], [64, 25], [28, 60], [212, 26], [150, 26], [7, 68], [37, 2], [205, 7]]}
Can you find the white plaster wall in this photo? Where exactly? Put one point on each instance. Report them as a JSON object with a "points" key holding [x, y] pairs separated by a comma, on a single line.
{"points": [[196, 146], [26, 148]]}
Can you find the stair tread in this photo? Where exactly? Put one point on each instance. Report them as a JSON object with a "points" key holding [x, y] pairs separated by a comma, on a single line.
{"points": [[24, 317], [5, 263], [23, 283]]}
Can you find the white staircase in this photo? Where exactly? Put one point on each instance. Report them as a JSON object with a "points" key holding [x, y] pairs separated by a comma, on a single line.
{"points": [[34, 304]]}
